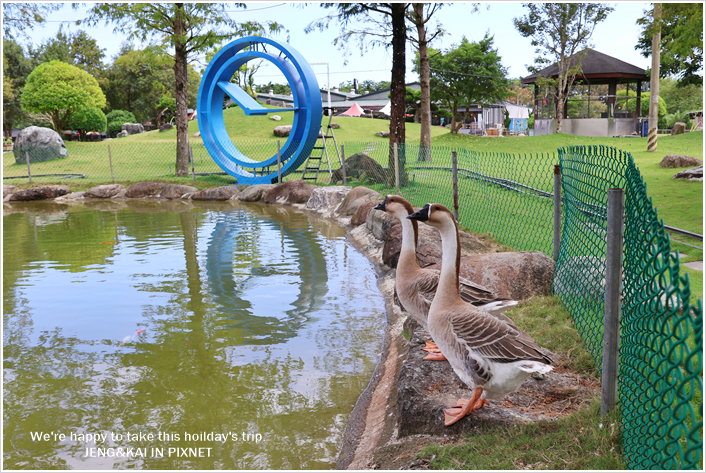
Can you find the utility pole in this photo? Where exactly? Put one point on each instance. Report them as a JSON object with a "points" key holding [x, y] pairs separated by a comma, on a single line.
{"points": [[654, 78]]}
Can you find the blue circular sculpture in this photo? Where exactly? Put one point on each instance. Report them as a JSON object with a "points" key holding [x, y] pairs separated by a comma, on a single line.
{"points": [[307, 110]]}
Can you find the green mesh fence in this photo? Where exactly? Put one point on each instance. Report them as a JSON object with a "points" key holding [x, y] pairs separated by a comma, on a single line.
{"points": [[660, 383]]}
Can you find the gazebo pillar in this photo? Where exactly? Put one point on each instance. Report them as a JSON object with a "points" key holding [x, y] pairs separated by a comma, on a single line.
{"points": [[612, 91], [638, 106]]}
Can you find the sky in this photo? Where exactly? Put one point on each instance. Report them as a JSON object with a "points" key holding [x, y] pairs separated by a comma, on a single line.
{"points": [[616, 37]]}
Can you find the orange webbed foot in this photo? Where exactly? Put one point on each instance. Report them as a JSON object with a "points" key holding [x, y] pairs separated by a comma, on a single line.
{"points": [[435, 357], [431, 347], [464, 407]]}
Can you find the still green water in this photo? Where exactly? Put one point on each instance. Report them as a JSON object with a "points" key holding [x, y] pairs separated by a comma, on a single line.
{"points": [[259, 324]]}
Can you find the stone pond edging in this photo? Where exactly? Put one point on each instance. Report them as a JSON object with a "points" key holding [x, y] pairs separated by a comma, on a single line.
{"points": [[397, 386]]}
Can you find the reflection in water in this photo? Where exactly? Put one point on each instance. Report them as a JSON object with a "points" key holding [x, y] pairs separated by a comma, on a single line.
{"points": [[253, 325], [246, 255]]}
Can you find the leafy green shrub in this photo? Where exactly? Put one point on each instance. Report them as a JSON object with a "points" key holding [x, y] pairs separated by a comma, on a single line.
{"points": [[117, 118], [88, 119], [675, 117]]}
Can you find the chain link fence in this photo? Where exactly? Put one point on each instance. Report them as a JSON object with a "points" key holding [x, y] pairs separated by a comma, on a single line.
{"points": [[509, 197], [660, 372]]}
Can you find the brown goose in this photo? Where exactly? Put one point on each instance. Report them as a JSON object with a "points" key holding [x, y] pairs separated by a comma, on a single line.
{"points": [[490, 355], [416, 286]]}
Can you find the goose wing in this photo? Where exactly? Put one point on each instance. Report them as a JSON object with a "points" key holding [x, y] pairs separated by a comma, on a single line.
{"points": [[495, 339], [475, 293], [470, 292]]}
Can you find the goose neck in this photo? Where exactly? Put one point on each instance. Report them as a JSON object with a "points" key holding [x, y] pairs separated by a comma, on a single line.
{"points": [[408, 249], [450, 260]]}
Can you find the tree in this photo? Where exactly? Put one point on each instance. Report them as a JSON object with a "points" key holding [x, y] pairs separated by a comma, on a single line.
{"points": [[559, 31], [413, 100], [466, 74], [76, 48], [682, 97], [681, 45], [519, 94], [116, 119], [385, 23], [419, 16], [364, 86], [16, 67], [138, 79], [185, 29], [88, 119], [19, 16], [59, 89]]}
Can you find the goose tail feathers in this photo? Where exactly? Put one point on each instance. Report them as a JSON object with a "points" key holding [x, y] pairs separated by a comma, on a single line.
{"points": [[497, 305], [534, 367]]}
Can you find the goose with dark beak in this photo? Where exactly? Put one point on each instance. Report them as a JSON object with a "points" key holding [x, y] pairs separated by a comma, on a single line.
{"points": [[491, 356], [416, 286]]}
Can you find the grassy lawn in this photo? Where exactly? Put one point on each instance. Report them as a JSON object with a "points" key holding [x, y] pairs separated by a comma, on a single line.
{"points": [[581, 441], [679, 202], [259, 128]]}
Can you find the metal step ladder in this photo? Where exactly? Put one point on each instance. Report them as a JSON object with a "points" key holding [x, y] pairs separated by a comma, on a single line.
{"points": [[312, 166]]}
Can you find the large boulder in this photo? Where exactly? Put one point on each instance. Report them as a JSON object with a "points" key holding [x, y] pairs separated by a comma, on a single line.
{"points": [[679, 161], [165, 127], [291, 192], [693, 174], [217, 193], [42, 144], [121, 134], [354, 199], [8, 189], [255, 193], [275, 118], [176, 191], [582, 276], [517, 275], [363, 167], [144, 189], [679, 128], [379, 223], [133, 128], [360, 216], [282, 131], [39, 193], [327, 198], [103, 192]]}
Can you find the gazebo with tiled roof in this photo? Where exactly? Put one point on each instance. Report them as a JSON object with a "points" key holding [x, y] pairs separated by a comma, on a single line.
{"points": [[597, 69]]}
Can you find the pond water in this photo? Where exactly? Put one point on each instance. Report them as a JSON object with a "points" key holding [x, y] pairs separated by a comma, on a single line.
{"points": [[152, 335]]}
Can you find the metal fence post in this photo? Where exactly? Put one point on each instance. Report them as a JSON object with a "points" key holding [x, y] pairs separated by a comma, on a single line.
{"points": [[191, 156], [397, 165], [454, 177], [557, 211], [279, 164], [343, 165], [29, 173], [613, 286], [110, 160]]}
